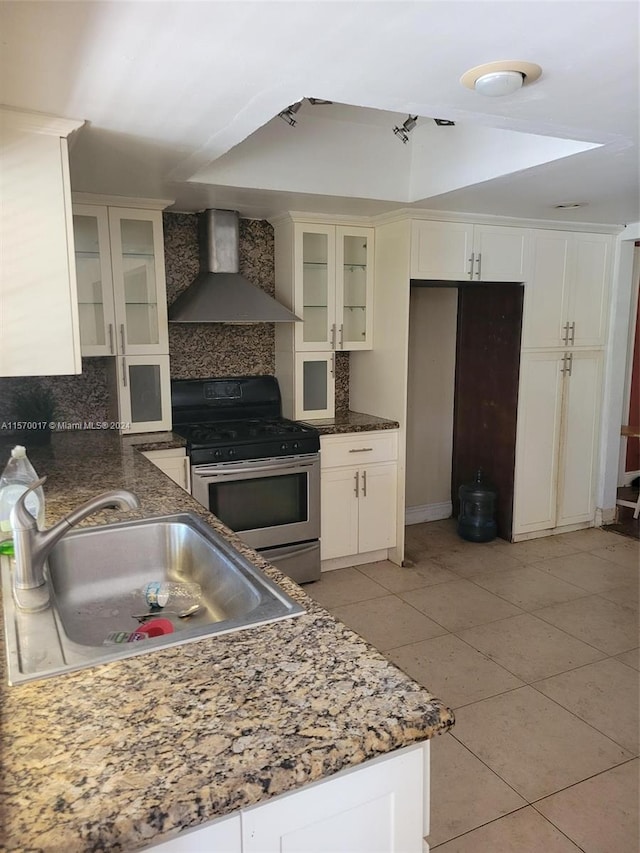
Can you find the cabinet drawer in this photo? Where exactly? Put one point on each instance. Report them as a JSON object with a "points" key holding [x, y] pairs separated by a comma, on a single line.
{"points": [[358, 448]]}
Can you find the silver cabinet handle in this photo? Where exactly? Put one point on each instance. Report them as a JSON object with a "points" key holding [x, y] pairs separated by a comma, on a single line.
{"points": [[122, 337], [565, 337], [111, 338], [572, 339], [333, 336], [569, 363], [479, 265], [364, 484], [471, 259], [124, 372], [357, 488], [361, 450], [333, 365], [341, 335]]}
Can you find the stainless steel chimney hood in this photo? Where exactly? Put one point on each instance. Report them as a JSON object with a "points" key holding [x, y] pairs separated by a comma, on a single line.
{"points": [[220, 294]]}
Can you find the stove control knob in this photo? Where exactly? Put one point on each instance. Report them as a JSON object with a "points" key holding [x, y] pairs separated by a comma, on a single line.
{"points": [[296, 445], [231, 453], [217, 454], [283, 446]]}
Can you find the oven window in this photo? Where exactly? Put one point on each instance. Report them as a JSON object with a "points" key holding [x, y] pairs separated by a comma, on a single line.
{"points": [[260, 502]]}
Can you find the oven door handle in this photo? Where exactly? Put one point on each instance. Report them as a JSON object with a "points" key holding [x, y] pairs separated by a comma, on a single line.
{"points": [[212, 471]]}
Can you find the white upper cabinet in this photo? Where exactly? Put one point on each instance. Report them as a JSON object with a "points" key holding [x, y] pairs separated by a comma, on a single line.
{"points": [[456, 251], [121, 280], [324, 273], [567, 295], [39, 327]]}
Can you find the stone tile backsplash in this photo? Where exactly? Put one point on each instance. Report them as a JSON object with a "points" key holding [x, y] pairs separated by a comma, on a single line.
{"points": [[196, 350]]}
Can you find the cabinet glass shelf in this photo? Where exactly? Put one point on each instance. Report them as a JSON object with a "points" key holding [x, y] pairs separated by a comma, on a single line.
{"points": [[322, 264]]}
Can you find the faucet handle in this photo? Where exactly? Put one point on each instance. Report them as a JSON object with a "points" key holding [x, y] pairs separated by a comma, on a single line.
{"points": [[20, 517]]}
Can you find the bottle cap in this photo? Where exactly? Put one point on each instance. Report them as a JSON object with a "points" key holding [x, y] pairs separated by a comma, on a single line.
{"points": [[19, 452]]}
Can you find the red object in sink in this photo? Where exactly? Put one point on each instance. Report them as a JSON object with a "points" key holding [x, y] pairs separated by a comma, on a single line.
{"points": [[156, 628]]}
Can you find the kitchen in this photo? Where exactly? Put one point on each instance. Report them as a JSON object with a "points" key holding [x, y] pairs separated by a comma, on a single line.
{"points": [[219, 351]]}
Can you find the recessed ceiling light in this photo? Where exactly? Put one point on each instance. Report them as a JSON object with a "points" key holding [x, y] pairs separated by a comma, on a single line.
{"points": [[501, 78], [570, 205]]}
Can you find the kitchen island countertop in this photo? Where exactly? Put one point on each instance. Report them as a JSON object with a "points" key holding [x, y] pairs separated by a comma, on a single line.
{"points": [[124, 755]]}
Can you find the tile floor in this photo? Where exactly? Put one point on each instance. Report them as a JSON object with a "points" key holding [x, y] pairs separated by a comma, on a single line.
{"points": [[535, 647]]}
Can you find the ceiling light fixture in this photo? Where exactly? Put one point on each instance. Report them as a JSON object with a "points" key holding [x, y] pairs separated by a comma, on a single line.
{"points": [[288, 115], [569, 205], [495, 79], [444, 122], [403, 132]]}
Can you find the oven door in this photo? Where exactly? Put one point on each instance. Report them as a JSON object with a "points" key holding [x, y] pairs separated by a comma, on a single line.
{"points": [[267, 502]]}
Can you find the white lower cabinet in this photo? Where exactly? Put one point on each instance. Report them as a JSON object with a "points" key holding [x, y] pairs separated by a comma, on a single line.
{"points": [[174, 463], [557, 441], [359, 493], [380, 806]]}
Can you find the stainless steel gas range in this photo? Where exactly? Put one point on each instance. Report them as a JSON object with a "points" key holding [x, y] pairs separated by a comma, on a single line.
{"points": [[258, 472]]}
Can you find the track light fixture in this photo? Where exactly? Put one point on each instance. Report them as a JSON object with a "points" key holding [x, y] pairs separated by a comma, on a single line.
{"points": [[289, 114], [403, 132]]}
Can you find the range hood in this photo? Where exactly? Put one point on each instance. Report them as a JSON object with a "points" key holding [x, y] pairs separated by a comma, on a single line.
{"points": [[220, 294]]}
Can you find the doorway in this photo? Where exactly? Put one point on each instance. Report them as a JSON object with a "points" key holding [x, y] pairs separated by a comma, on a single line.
{"points": [[464, 359]]}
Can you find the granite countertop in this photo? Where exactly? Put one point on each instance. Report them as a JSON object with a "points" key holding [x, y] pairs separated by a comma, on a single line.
{"points": [[123, 755], [351, 422]]}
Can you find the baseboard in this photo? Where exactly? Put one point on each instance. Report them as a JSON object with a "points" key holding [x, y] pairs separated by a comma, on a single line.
{"points": [[552, 531], [427, 512], [605, 516]]}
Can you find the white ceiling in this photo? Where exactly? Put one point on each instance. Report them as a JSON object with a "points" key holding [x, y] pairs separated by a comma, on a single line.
{"points": [[180, 99]]}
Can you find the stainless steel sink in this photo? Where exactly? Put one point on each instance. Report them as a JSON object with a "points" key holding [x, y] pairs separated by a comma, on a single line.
{"points": [[96, 576]]}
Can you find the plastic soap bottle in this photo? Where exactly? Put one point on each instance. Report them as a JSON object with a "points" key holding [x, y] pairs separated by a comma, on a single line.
{"points": [[18, 475]]}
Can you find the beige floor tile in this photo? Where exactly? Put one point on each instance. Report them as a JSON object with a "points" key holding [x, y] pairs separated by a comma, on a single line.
{"points": [[601, 623], [624, 552], [544, 548], [464, 792], [605, 694], [459, 604], [473, 561], [453, 671], [533, 744], [398, 579], [387, 622], [588, 571], [599, 814], [530, 648], [344, 586], [524, 831], [627, 596], [588, 539], [631, 658], [528, 587]]}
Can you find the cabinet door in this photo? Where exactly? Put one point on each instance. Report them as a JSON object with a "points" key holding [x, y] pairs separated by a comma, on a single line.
{"points": [[379, 807], [579, 441], [39, 328], [174, 463], [441, 250], [144, 393], [93, 275], [546, 293], [222, 836], [315, 286], [339, 512], [377, 507], [139, 281], [354, 288], [500, 253], [314, 385], [589, 294], [537, 442]]}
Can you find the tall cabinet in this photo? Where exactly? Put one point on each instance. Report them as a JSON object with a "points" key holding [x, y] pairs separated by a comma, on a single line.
{"points": [[559, 405], [324, 274], [38, 302], [123, 306]]}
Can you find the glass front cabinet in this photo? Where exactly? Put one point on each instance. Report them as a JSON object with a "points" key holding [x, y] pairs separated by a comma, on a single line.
{"points": [[123, 306], [324, 273]]}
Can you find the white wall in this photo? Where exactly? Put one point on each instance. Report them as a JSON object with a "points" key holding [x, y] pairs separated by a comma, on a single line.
{"points": [[432, 358]]}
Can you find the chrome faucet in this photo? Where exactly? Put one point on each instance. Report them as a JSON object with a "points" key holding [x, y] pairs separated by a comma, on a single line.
{"points": [[32, 546]]}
